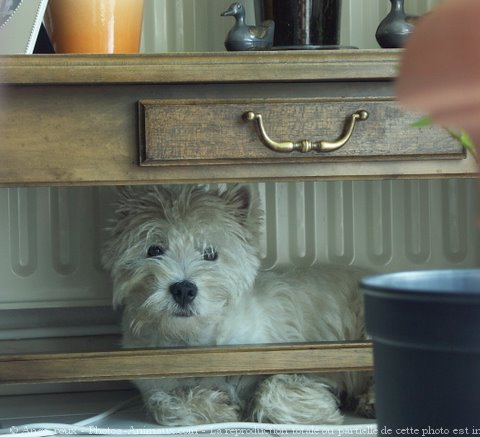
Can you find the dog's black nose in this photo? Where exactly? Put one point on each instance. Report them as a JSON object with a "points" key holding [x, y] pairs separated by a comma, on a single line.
{"points": [[183, 292]]}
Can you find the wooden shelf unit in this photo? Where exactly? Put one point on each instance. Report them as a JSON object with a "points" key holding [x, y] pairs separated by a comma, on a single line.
{"points": [[75, 120]]}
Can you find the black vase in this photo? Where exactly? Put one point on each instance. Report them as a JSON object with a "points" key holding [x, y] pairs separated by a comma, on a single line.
{"points": [[425, 327], [395, 28], [302, 23]]}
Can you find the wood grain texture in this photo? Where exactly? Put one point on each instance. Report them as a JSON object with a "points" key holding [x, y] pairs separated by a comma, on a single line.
{"points": [[200, 67], [207, 131], [186, 362], [87, 134]]}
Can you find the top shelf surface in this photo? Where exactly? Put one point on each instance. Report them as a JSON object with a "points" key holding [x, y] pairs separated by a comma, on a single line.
{"points": [[274, 66]]}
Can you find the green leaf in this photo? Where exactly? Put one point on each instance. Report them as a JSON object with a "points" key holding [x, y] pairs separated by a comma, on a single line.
{"points": [[422, 122], [465, 140], [462, 137]]}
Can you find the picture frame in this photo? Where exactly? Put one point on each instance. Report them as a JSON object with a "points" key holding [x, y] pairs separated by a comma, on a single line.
{"points": [[20, 22]]}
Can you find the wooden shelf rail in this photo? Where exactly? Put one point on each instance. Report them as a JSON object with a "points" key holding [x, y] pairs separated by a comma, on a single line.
{"points": [[186, 362]]}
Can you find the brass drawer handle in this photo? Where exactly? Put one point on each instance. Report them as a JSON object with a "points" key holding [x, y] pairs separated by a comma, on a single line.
{"points": [[305, 146]]}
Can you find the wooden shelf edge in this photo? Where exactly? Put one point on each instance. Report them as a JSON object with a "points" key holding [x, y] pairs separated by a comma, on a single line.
{"points": [[197, 67], [186, 362]]}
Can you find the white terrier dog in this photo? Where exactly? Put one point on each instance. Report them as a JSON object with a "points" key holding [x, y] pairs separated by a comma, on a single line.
{"points": [[185, 266]]}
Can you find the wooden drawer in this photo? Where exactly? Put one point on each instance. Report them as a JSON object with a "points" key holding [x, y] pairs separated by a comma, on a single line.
{"points": [[185, 132]]}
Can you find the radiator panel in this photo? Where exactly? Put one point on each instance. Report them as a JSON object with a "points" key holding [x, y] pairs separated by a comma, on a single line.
{"points": [[51, 238]]}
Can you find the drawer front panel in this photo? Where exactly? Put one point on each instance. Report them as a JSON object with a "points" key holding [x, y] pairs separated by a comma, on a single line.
{"points": [[218, 132]]}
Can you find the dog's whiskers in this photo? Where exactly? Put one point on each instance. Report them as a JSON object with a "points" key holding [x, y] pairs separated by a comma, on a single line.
{"points": [[136, 326]]}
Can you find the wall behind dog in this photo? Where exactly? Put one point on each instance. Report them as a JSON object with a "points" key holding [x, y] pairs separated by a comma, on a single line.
{"points": [[51, 237]]}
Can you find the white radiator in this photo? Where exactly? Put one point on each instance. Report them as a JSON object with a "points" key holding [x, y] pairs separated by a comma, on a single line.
{"points": [[51, 237]]}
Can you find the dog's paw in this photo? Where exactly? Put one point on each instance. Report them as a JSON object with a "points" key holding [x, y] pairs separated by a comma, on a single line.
{"points": [[295, 399], [366, 403], [193, 406]]}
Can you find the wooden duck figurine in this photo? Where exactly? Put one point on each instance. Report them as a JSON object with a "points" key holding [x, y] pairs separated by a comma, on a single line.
{"points": [[244, 37]]}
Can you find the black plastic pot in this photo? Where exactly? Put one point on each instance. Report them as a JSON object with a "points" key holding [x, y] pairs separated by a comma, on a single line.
{"points": [[426, 332], [302, 23]]}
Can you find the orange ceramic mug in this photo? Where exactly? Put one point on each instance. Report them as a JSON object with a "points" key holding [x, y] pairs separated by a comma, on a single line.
{"points": [[94, 26]]}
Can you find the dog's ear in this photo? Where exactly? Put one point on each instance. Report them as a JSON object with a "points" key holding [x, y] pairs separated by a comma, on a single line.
{"points": [[239, 196], [244, 202]]}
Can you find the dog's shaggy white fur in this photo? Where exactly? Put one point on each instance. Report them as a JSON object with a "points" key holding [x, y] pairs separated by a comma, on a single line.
{"points": [[185, 266]]}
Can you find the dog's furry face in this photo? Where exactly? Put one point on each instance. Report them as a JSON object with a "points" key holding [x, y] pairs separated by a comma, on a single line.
{"points": [[184, 261], [179, 253]]}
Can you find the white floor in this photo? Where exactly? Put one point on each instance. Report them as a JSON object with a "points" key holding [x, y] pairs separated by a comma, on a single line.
{"points": [[130, 419]]}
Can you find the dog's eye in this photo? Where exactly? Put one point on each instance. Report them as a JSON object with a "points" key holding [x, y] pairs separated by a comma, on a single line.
{"points": [[210, 254], [155, 251]]}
